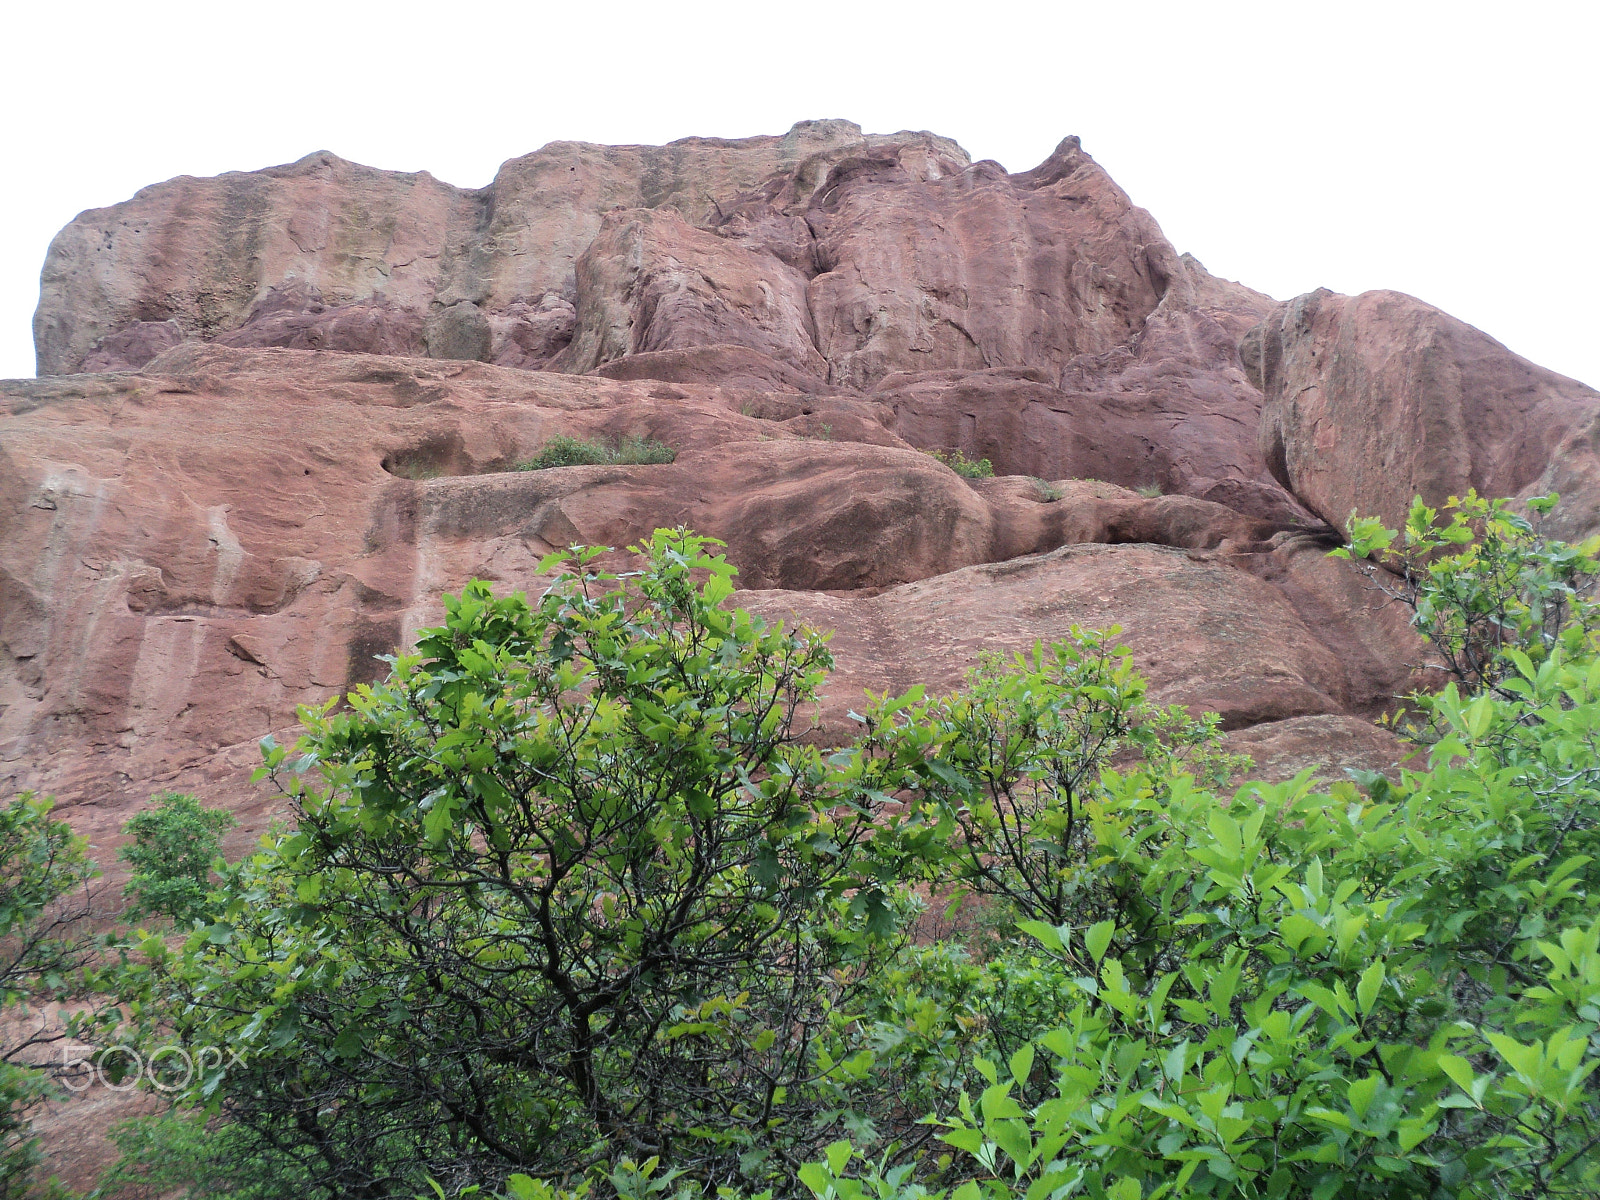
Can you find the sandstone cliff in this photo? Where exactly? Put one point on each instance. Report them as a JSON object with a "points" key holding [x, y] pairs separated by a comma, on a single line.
{"points": [[280, 413]]}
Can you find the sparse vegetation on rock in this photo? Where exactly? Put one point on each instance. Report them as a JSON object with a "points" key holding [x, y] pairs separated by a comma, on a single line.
{"points": [[565, 451], [963, 466]]}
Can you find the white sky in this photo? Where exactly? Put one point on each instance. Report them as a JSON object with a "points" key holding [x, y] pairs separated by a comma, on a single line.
{"points": [[1444, 149]]}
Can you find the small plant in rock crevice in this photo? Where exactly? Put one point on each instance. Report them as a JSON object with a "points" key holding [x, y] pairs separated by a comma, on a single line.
{"points": [[565, 451], [963, 466]]}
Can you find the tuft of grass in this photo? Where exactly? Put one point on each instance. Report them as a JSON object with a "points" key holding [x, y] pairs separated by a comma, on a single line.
{"points": [[964, 466], [1149, 490], [417, 470], [1048, 492], [564, 451]]}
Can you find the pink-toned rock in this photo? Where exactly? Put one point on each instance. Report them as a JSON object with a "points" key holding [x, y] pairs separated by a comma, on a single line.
{"points": [[1329, 745], [1373, 399], [730, 366], [132, 346], [1172, 410], [296, 318], [652, 282], [202, 252], [529, 333], [1204, 633], [188, 553], [934, 265]]}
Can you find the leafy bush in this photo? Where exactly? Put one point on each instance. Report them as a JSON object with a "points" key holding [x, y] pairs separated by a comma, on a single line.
{"points": [[185, 1154], [1390, 991], [564, 451], [572, 895], [999, 783], [174, 845], [569, 885], [1149, 490], [46, 952], [963, 466], [1048, 492], [1484, 583]]}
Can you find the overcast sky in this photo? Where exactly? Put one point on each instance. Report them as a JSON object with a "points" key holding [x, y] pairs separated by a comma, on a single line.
{"points": [[1448, 150]]}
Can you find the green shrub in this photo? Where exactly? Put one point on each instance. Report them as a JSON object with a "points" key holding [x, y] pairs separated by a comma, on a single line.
{"points": [[568, 888], [1483, 583], [198, 1158], [963, 466], [1385, 989], [564, 451], [567, 884], [1048, 492], [173, 848], [1149, 490], [47, 953]]}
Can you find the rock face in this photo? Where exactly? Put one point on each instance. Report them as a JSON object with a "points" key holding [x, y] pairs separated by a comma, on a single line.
{"points": [[1373, 399], [281, 412], [191, 551], [204, 252]]}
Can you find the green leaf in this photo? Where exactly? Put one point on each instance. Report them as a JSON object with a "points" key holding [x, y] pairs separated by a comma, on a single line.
{"points": [[838, 1155], [1021, 1064], [1367, 988], [1097, 938]]}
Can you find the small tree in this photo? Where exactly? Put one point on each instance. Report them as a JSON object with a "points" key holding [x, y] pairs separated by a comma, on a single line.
{"points": [[173, 848], [1481, 582], [1001, 782], [569, 889]]}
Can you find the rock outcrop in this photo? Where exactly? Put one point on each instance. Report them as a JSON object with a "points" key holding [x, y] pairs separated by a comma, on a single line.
{"points": [[191, 551], [203, 252], [281, 412], [1373, 399]]}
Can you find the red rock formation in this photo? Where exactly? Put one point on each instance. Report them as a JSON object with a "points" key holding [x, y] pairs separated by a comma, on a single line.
{"points": [[282, 412], [202, 252], [940, 266], [204, 536], [190, 552], [1374, 399], [651, 282]]}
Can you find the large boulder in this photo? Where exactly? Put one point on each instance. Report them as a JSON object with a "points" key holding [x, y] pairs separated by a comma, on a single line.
{"points": [[1370, 400], [1205, 633]]}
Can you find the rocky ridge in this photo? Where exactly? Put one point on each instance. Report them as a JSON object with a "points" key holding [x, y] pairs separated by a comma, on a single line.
{"points": [[280, 412]]}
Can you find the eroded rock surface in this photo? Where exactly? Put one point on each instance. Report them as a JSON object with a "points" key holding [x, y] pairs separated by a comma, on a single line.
{"points": [[203, 252], [1373, 399], [283, 411], [191, 551]]}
